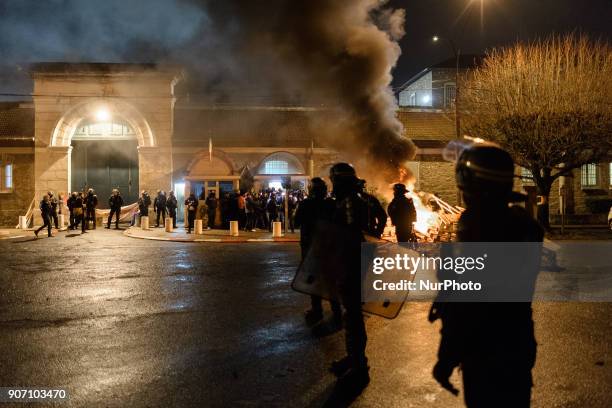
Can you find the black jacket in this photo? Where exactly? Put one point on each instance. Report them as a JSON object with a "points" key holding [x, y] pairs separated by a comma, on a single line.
{"points": [[91, 201], [191, 202], [171, 203], [493, 332], [160, 202], [211, 203], [402, 212], [45, 208], [309, 213], [115, 202]]}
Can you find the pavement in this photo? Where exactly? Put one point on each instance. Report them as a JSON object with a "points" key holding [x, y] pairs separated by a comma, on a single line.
{"points": [[213, 235], [121, 322]]}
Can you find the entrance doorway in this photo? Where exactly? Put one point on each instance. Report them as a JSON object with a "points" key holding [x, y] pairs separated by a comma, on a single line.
{"points": [[105, 157]]}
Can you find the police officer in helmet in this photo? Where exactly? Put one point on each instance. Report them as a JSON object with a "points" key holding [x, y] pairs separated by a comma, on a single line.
{"points": [[308, 216], [350, 215], [493, 343], [403, 214]]}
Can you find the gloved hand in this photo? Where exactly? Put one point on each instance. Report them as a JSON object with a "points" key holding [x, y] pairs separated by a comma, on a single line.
{"points": [[441, 373]]}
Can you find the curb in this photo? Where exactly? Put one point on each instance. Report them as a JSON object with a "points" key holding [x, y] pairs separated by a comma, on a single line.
{"points": [[215, 240]]}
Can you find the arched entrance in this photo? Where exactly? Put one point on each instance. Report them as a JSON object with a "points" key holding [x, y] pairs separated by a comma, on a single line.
{"points": [[104, 157], [103, 138]]}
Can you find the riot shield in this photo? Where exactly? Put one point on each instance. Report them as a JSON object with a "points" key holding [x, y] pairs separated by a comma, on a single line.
{"points": [[330, 260]]}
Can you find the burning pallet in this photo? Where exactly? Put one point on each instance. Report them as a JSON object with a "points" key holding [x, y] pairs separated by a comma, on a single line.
{"points": [[436, 219]]}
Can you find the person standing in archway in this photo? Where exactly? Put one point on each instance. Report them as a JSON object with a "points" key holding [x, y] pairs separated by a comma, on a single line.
{"points": [[171, 205], [114, 202], [211, 205], [159, 206]]}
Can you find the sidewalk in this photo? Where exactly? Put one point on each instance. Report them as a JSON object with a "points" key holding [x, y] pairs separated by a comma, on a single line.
{"points": [[215, 235], [9, 233]]}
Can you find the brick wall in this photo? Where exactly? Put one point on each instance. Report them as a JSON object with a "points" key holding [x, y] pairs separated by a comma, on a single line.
{"points": [[16, 203]]}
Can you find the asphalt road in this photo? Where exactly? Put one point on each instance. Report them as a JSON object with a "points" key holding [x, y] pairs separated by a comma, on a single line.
{"points": [[121, 322]]}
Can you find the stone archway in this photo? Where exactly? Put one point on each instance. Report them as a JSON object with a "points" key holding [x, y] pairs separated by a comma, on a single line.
{"points": [[67, 124]]}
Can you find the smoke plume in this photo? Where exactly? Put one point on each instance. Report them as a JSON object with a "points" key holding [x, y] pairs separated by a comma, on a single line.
{"points": [[334, 54]]}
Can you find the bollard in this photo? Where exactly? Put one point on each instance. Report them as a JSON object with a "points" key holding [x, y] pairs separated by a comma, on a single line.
{"points": [[61, 221], [233, 231], [168, 223], [23, 222], [144, 222], [198, 227], [277, 229]]}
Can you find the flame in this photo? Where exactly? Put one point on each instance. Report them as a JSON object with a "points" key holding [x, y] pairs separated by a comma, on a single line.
{"points": [[426, 218]]}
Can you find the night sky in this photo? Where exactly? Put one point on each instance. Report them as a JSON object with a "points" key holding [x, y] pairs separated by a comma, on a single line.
{"points": [[119, 31]]}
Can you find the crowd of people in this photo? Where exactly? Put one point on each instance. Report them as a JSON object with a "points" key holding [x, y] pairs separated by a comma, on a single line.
{"points": [[253, 210]]}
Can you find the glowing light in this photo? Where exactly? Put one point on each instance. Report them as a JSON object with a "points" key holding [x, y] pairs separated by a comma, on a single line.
{"points": [[103, 115], [426, 99], [435, 38]]}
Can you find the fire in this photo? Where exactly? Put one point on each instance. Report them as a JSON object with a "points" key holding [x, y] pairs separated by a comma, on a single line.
{"points": [[435, 217], [426, 218]]}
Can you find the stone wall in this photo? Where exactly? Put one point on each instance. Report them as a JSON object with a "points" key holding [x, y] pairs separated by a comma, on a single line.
{"points": [[16, 203], [437, 177]]}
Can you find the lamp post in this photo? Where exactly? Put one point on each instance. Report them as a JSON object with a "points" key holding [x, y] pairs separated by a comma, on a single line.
{"points": [[457, 54]]}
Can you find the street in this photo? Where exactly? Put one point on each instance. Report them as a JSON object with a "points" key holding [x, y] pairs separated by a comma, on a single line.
{"points": [[121, 322]]}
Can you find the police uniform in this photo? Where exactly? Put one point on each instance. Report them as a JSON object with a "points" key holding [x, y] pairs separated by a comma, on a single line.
{"points": [[493, 342]]}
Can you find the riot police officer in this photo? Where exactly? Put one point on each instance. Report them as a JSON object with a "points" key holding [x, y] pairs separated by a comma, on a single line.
{"points": [[314, 209], [143, 203], [191, 204], [402, 212], [211, 208], [350, 216], [377, 217], [171, 205], [71, 204], [53, 213], [492, 343], [91, 202], [159, 206], [45, 211], [115, 202]]}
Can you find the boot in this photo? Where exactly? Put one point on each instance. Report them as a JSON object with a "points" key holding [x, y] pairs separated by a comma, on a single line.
{"points": [[351, 384]]}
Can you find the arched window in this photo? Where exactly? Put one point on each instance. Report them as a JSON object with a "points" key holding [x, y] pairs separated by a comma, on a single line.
{"points": [[281, 163], [116, 129]]}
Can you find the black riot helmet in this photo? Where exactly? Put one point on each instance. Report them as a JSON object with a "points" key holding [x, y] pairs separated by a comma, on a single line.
{"points": [[399, 189], [318, 188], [487, 170], [341, 170]]}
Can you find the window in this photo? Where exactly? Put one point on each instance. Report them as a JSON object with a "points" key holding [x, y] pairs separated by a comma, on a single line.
{"points": [[610, 175], [450, 91], [588, 175], [526, 176], [276, 167], [6, 174], [104, 130]]}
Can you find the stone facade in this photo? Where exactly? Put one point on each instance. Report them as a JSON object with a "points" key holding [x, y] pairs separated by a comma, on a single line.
{"points": [[65, 94], [16, 203]]}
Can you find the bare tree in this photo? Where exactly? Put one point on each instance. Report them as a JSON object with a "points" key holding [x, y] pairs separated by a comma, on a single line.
{"points": [[547, 102]]}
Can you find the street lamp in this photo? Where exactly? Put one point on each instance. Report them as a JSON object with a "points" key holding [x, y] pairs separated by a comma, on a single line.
{"points": [[457, 54]]}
